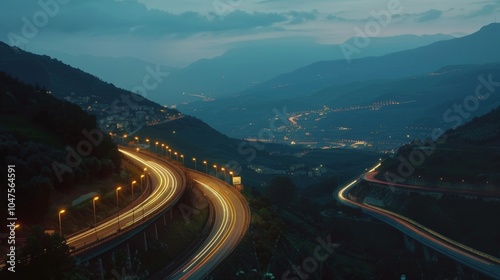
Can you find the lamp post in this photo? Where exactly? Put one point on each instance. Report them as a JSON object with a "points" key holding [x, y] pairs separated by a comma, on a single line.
{"points": [[156, 147], [142, 177], [93, 204], [117, 206], [215, 167], [162, 147], [170, 152], [116, 191], [145, 169], [133, 182], [182, 156], [60, 224], [176, 156], [147, 141], [223, 171], [194, 159], [137, 138], [206, 166]]}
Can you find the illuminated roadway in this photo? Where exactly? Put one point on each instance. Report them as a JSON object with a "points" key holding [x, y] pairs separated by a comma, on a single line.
{"points": [[475, 259], [232, 219], [168, 185]]}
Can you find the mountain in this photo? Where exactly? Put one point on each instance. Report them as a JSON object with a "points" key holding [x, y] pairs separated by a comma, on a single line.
{"points": [[251, 63], [478, 48], [117, 110], [123, 72], [378, 114], [121, 112], [468, 154], [43, 137], [362, 81]]}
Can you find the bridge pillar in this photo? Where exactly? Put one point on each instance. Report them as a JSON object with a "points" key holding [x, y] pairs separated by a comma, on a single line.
{"points": [[429, 257], [145, 241], [409, 243]]}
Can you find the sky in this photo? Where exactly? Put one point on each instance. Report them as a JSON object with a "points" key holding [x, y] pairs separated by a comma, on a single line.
{"points": [[178, 32]]}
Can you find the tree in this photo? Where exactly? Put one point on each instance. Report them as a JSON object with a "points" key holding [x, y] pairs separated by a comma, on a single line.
{"points": [[281, 191], [47, 257]]}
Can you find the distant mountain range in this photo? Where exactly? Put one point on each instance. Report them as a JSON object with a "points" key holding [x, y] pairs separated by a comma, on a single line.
{"points": [[478, 48], [419, 76], [185, 134], [243, 66]]}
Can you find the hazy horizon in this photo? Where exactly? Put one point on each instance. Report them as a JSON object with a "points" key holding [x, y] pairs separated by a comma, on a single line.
{"points": [[179, 33]]}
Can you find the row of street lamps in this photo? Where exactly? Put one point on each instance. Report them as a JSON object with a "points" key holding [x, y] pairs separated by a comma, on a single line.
{"points": [[177, 155], [94, 199]]}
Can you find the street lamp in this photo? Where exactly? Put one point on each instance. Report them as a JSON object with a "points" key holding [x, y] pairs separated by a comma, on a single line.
{"points": [[206, 166], [194, 159], [162, 146], [145, 169], [93, 204], [137, 138], [156, 147], [142, 177], [182, 156], [176, 156], [170, 152], [117, 189], [60, 225], [215, 167], [147, 141], [223, 171], [133, 182]]}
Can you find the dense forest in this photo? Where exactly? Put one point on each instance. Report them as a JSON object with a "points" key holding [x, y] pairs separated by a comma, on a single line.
{"points": [[53, 144]]}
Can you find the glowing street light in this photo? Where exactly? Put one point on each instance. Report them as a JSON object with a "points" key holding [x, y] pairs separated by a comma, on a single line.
{"points": [[194, 159], [117, 189], [206, 166], [137, 138], [182, 156], [142, 177], [147, 141], [176, 156], [156, 147], [162, 146], [133, 182], [145, 169], [93, 204], [60, 225], [223, 171], [215, 167]]}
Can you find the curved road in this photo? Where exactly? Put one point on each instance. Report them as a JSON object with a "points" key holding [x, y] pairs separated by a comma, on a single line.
{"points": [[232, 219], [475, 259], [168, 187]]}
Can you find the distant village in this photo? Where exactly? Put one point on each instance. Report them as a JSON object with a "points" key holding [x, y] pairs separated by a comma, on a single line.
{"points": [[121, 119]]}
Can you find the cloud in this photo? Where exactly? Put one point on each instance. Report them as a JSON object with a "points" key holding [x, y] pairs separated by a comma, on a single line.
{"points": [[108, 17], [301, 17], [486, 10], [429, 15]]}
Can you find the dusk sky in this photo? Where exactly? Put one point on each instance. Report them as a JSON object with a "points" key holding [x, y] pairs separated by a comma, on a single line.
{"points": [[176, 32]]}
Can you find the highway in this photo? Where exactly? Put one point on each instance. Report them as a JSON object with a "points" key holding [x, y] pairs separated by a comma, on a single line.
{"points": [[232, 219], [167, 188], [470, 257]]}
